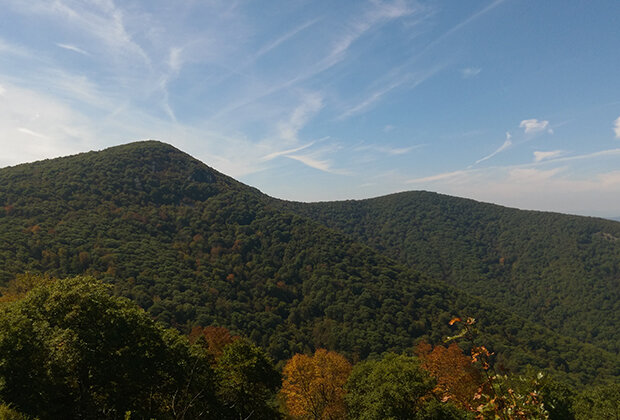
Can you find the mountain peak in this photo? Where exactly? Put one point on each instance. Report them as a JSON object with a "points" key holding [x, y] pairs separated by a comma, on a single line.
{"points": [[133, 173]]}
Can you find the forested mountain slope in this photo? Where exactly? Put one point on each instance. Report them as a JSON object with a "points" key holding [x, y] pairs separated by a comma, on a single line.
{"points": [[558, 270], [195, 247]]}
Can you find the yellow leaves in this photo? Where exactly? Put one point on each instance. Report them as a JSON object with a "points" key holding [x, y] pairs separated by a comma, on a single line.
{"points": [[313, 386]]}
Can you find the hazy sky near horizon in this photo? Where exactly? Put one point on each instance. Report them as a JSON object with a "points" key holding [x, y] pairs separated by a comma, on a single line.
{"points": [[515, 102]]}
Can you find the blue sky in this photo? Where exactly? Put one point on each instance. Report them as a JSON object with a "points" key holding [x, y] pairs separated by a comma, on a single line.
{"points": [[515, 102]]}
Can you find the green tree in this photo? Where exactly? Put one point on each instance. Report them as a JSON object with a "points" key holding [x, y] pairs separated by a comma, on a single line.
{"points": [[395, 388], [602, 403], [558, 399], [248, 382], [69, 349]]}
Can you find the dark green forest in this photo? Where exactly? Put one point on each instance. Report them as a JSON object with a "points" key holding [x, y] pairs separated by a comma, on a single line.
{"points": [[193, 247], [557, 270]]}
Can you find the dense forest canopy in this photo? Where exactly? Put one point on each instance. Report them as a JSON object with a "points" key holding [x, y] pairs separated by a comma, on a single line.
{"points": [[196, 248], [71, 349], [557, 270]]}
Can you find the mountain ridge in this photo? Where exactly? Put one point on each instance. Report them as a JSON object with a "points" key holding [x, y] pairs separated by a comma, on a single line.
{"points": [[193, 246], [496, 252]]}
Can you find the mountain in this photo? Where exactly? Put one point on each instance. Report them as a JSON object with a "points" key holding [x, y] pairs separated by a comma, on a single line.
{"points": [[194, 247], [560, 271]]}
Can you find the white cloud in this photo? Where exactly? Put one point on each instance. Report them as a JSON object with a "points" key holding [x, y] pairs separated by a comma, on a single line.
{"points": [[391, 82], [32, 133], [282, 39], [289, 129], [74, 87], [72, 48], [532, 175], [439, 177], [276, 154], [175, 59], [321, 165], [100, 19], [35, 126], [394, 151], [617, 128], [570, 188], [540, 156], [374, 97], [507, 143], [398, 150], [470, 72], [534, 126], [381, 12], [599, 154], [464, 23]]}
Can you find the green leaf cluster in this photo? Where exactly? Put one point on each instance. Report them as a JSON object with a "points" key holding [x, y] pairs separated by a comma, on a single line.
{"points": [[70, 349]]}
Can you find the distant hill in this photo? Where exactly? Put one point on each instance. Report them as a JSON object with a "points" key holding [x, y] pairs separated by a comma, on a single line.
{"points": [[557, 270], [195, 247]]}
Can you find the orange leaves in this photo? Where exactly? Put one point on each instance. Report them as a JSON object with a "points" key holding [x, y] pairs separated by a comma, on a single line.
{"points": [[457, 379], [481, 354], [313, 386], [454, 321], [215, 338]]}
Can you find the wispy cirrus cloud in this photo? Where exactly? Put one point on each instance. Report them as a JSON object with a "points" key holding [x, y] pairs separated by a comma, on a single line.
{"points": [[444, 176], [102, 20], [540, 155], [285, 152], [507, 143], [374, 97], [393, 151], [533, 125], [311, 103], [265, 49], [535, 186], [311, 161], [617, 128], [372, 16], [532, 175], [318, 157], [408, 80], [403, 76], [34, 125], [379, 13], [456, 28], [470, 72], [72, 48]]}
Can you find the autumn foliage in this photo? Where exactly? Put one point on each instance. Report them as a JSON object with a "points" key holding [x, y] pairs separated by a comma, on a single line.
{"points": [[313, 386], [500, 397], [458, 379], [214, 338]]}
